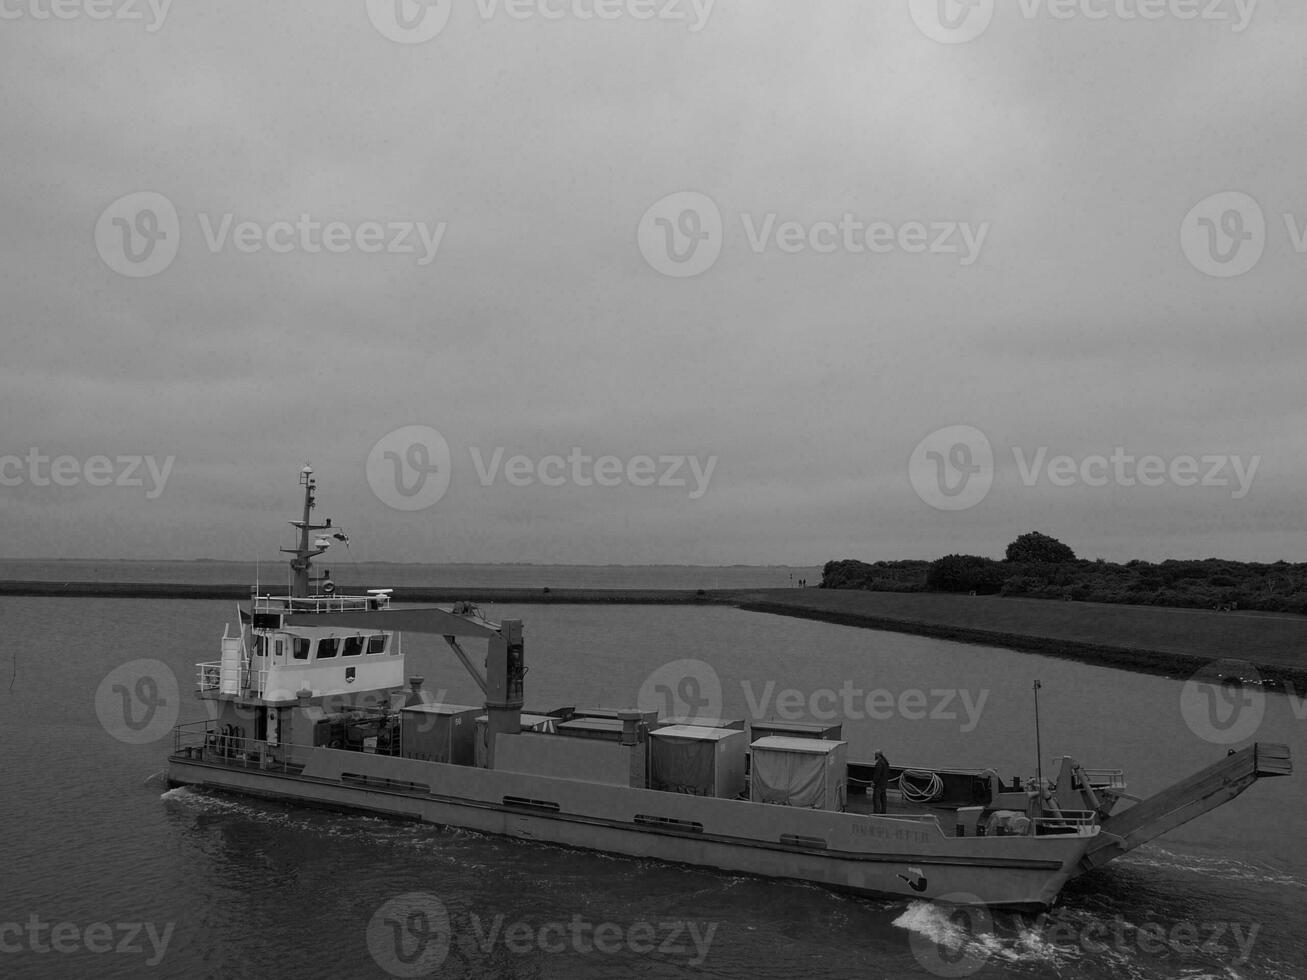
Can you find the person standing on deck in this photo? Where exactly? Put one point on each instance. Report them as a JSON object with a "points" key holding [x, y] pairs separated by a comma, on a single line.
{"points": [[879, 780]]}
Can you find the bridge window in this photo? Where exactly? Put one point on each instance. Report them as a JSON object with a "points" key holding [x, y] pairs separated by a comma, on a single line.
{"points": [[327, 648], [300, 648], [353, 646], [377, 644]]}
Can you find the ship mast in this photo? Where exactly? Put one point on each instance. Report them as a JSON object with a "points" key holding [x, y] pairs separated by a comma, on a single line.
{"points": [[305, 553]]}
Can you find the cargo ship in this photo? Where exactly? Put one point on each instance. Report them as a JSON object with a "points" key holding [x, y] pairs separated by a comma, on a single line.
{"points": [[310, 703]]}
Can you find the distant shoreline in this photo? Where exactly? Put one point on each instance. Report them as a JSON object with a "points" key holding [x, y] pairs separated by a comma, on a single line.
{"points": [[1143, 639]]}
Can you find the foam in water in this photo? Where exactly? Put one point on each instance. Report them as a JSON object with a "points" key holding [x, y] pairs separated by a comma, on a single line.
{"points": [[933, 922], [1216, 867]]}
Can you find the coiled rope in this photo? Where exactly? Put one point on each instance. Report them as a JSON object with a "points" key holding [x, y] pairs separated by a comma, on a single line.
{"points": [[920, 786]]}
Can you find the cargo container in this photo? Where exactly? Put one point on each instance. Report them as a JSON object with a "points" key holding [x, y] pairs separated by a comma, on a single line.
{"points": [[698, 761], [439, 733], [795, 729], [530, 723], [802, 772]]}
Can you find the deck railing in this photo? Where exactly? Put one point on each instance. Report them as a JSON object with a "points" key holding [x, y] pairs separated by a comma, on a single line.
{"points": [[318, 604], [1067, 821], [210, 677], [1105, 778], [204, 741]]}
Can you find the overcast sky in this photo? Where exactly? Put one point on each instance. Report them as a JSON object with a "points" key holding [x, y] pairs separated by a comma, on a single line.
{"points": [[785, 244]]}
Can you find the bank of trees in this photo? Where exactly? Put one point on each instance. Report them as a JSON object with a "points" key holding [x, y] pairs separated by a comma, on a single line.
{"points": [[1040, 566]]}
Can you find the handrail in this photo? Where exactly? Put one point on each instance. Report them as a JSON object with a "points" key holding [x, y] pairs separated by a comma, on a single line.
{"points": [[1112, 778], [319, 604], [1080, 820], [210, 744], [209, 677]]}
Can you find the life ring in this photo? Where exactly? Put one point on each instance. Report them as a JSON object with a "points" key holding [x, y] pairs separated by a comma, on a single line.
{"points": [[328, 588]]}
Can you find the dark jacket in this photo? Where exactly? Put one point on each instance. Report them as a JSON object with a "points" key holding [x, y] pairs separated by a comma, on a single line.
{"points": [[880, 774]]}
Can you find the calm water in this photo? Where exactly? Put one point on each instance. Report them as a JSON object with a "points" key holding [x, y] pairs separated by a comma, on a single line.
{"points": [[349, 575], [248, 889]]}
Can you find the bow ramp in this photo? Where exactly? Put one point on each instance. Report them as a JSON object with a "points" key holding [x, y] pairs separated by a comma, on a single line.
{"points": [[1205, 790]]}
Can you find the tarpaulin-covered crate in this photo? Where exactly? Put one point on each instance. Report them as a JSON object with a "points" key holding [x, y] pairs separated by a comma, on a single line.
{"points": [[805, 772], [698, 761]]}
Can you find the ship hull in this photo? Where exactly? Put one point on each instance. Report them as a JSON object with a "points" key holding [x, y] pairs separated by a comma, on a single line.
{"points": [[870, 855]]}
